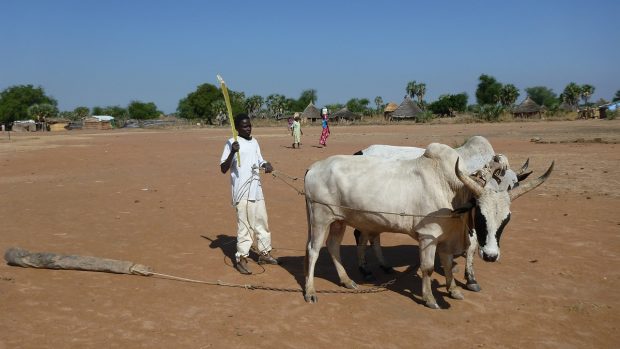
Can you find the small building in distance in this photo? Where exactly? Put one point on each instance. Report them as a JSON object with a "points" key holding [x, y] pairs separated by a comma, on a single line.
{"points": [[389, 109], [528, 108], [310, 114], [346, 115], [408, 109]]}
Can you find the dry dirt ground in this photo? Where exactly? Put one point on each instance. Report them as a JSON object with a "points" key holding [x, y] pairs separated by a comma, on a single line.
{"points": [[158, 198]]}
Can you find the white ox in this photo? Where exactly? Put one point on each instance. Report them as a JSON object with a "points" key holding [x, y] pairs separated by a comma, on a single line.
{"points": [[415, 197], [478, 156]]}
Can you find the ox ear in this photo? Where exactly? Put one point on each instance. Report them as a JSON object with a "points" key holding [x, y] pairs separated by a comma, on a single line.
{"points": [[524, 188], [523, 176], [469, 183]]}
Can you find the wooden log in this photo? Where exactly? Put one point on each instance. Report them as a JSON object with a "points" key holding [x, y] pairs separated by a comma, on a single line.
{"points": [[19, 257]]}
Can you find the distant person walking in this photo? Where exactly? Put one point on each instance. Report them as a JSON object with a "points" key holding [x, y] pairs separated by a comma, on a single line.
{"points": [[325, 124], [296, 132]]}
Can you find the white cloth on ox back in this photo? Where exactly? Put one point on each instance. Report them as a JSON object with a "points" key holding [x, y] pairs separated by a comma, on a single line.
{"points": [[245, 179]]}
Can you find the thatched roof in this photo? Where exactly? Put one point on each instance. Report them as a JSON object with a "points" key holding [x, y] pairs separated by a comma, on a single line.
{"points": [[390, 107], [311, 112], [407, 109], [345, 114], [528, 106]]}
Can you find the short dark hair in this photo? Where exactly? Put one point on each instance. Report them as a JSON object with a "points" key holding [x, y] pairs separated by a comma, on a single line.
{"points": [[239, 118]]}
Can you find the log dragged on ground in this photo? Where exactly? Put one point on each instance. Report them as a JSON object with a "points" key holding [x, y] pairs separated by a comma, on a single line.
{"points": [[19, 257]]}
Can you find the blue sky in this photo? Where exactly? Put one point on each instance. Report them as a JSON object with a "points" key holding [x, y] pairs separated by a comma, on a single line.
{"points": [[101, 53]]}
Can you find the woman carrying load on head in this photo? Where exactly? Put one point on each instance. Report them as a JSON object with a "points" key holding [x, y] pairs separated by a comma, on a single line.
{"points": [[324, 123]]}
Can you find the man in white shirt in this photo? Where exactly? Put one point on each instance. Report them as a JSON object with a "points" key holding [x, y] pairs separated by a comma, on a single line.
{"points": [[247, 194]]}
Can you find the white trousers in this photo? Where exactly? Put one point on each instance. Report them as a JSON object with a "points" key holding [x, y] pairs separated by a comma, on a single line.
{"points": [[252, 223]]}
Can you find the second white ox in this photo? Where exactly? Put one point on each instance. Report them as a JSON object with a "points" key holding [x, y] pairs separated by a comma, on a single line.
{"points": [[477, 155], [416, 197]]}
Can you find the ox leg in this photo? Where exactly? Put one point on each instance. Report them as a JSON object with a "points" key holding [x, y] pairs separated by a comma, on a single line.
{"points": [[446, 263], [334, 239], [376, 247], [427, 264], [316, 236], [471, 284], [361, 240]]}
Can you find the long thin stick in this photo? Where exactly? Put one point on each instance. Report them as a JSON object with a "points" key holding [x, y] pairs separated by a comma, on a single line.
{"points": [[230, 115]]}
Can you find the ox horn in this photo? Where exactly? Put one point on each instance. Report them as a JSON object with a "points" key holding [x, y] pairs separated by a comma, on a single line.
{"points": [[468, 182], [522, 189]]}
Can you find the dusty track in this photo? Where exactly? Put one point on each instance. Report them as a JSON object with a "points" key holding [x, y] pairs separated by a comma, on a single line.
{"points": [[158, 198]]}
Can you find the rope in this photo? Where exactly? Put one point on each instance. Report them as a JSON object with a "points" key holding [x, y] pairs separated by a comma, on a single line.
{"points": [[376, 289]]}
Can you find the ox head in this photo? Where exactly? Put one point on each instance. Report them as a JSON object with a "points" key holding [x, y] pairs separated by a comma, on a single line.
{"points": [[491, 209]]}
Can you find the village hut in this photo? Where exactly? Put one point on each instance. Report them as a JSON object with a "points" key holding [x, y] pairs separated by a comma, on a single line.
{"points": [[310, 114], [408, 109], [99, 122], [527, 108], [389, 109], [57, 124], [345, 114]]}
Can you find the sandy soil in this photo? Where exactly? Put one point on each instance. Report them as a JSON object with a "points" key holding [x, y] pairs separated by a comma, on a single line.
{"points": [[158, 198]]}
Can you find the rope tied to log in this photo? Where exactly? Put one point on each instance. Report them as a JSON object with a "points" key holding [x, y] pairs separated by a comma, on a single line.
{"points": [[16, 256]]}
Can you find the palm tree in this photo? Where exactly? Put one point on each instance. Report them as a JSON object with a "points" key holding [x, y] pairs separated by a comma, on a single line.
{"points": [[508, 95], [379, 103], [586, 92], [253, 105], [411, 89], [307, 97], [571, 94], [420, 92], [276, 104]]}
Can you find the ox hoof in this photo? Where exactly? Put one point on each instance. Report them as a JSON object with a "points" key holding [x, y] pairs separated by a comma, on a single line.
{"points": [[350, 284], [456, 294], [432, 305], [311, 298], [387, 269], [474, 287]]}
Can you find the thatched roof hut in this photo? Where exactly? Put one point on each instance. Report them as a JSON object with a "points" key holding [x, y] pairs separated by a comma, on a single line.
{"points": [[408, 109], [311, 114], [389, 108], [346, 114], [527, 108]]}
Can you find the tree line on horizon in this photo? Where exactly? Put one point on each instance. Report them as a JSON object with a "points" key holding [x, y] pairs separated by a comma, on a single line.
{"points": [[22, 102]]}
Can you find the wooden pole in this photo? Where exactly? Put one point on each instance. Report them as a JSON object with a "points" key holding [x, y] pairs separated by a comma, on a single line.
{"points": [[19, 257]]}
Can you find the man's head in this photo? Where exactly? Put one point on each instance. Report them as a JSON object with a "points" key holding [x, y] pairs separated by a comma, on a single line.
{"points": [[243, 125]]}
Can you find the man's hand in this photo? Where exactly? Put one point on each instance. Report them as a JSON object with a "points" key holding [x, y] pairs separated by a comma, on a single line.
{"points": [[235, 147], [268, 168]]}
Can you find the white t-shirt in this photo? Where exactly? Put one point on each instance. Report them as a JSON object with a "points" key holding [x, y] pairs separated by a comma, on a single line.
{"points": [[244, 179]]}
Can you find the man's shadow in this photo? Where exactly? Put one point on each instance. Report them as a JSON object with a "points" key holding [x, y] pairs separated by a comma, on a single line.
{"points": [[227, 243]]}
